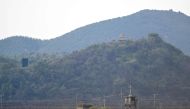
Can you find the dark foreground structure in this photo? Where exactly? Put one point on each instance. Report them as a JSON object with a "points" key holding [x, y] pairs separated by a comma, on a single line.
{"points": [[130, 101], [106, 102], [110, 103]]}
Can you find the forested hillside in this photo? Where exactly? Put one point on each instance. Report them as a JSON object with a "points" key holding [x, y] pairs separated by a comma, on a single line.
{"points": [[18, 45], [152, 66]]}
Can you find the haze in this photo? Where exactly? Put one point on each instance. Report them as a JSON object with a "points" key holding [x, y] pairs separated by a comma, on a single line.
{"points": [[45, 19]]}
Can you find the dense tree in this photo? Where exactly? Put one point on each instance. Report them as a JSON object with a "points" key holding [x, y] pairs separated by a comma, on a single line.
{"points": [[102, 69]]}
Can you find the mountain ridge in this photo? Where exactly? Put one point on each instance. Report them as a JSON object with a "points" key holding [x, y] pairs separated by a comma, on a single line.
{"points": [[172, 26]]}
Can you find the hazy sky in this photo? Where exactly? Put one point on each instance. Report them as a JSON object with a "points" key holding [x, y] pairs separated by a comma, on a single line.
{"points": [[46, 19]]}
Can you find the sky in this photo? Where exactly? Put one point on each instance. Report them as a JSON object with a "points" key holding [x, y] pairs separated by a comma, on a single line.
{"points": [[46, 19]]}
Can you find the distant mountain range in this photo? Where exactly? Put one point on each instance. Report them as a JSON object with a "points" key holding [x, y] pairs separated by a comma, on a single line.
{"points": [[173, 27]]}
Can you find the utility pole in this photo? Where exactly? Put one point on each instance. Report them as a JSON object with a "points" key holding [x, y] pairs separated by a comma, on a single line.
{"points": [[104, 100], [76, 100], [1, 101], [154, 99], [121, 98], [160, 105]]}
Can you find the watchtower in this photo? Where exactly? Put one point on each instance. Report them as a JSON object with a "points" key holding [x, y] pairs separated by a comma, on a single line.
{"points": [[130, 101], [122, 40]]}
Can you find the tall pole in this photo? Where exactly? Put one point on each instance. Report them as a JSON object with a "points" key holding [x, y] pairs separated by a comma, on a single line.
{"points": [[121, 98], [160, 105], [76, 100], [104, 100], [1, 101], [130, 89], [154, 95]]}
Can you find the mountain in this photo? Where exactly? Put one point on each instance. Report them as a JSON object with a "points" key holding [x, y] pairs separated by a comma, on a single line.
{"points": [[19, 45], [172, 26], [150, 64]]}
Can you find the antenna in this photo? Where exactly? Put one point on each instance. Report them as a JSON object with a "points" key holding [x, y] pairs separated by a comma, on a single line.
{"points": [[130, 90]]}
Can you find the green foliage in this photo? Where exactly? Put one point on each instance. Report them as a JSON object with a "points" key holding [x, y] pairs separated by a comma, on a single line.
{"points": [[102, 69]]}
